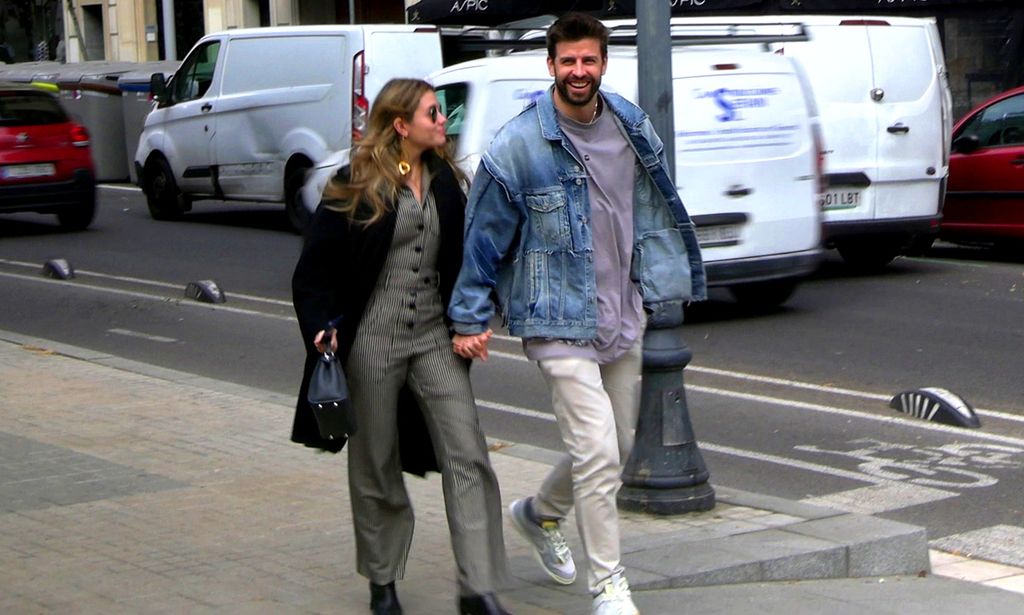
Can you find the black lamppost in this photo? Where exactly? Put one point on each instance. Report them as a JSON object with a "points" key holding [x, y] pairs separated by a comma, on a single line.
{"points": [[666, 472]]}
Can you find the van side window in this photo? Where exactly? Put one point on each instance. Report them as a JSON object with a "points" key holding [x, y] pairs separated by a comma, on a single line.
{"points": [[453, 104], [1000, 124], [194, 77]]}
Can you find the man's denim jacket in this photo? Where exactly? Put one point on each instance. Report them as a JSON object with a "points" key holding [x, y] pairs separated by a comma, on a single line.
{"points": [[528, 239]]}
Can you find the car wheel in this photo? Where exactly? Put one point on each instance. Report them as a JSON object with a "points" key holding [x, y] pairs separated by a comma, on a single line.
{"points": [[298, 215], [78, 217], [871, 255], [763, 295], [162, 195]]}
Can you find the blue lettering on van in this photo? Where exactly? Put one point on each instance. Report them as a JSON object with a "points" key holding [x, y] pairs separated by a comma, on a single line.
{"points": [[729, 100]]}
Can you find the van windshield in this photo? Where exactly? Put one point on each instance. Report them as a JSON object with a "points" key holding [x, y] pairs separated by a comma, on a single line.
{"points": [[452, 98]]}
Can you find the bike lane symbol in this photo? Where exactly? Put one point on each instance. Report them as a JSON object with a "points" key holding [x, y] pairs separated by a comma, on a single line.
{"points": [[945, 466]]}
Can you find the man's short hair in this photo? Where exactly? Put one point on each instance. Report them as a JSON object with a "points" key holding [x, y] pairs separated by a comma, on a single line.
{"points": [[573, 27]]}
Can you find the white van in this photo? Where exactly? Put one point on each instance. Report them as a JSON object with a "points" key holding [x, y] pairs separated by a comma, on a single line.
{"points": [[746, 151], [249, 111], [881, 85]]}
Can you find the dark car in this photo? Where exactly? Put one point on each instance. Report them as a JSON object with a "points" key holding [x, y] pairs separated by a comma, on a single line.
{"points": [[985, 196], [45, 159]]}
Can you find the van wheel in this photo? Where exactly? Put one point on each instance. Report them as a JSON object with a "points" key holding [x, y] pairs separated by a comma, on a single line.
{"points": [[763, 295], [162, 196], [78, 217], [298, 215], [871, 255]]}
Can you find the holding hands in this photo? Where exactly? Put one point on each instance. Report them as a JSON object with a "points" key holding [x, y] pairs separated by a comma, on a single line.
{"points": [[472, 346], [323, 338]]}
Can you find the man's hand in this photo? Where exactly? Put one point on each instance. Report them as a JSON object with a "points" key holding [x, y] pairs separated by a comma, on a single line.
{"points": [[472, 346]]}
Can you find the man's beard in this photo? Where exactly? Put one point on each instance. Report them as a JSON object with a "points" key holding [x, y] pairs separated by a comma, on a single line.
{"points": [[563, 90]]}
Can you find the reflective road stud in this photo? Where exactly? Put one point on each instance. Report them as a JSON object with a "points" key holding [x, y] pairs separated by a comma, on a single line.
{"points": [[934, 404]]}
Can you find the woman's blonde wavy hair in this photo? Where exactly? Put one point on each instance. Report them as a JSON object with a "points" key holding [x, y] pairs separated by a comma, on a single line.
{"points": [[374, 179]]}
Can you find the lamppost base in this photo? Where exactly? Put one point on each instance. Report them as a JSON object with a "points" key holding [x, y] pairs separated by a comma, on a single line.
{"points": [[674, 501]]}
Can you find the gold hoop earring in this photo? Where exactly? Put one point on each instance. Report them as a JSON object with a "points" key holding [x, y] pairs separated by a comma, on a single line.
{"points": [[403, 167]]}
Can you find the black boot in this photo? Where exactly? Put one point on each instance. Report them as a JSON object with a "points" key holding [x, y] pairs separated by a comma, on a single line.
{"points": [[482, 604], [384, 599]]}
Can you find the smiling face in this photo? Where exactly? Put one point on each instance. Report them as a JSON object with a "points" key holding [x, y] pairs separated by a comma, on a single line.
{"points": [[426, 129], [577, 68]]}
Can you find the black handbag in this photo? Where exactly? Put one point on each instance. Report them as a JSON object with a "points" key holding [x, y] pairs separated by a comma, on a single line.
{"points": [[328, 396]]}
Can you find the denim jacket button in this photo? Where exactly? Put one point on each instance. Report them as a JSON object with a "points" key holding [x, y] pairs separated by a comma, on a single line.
{"points": [[578, 181]]}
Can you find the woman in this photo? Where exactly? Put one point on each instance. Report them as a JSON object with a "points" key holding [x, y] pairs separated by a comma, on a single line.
{"points": [[379, 262]]}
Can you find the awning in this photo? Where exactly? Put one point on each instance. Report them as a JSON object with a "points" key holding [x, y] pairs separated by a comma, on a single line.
{"points": [[875, 6], [681, 7], [492, 12]]}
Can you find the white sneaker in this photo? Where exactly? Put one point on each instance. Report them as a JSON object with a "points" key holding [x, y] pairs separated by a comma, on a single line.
{"points": [[615, 598], [548, 543]]}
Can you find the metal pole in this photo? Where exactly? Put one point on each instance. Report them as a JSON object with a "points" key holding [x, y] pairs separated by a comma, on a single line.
{"points": [[665, 473], [654, 66], [170, 37], [352, 11]]}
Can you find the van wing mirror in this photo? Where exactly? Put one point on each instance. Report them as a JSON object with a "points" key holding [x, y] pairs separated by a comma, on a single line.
{"points": [[966, 144], [158, 88]]}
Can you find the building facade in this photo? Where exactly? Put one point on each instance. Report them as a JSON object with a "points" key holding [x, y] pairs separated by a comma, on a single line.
{"points": [[135, 30]]}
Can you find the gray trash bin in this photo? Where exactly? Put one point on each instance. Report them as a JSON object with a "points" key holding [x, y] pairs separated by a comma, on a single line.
{"points": [[137, 102], [26, 72], [89, 92]]}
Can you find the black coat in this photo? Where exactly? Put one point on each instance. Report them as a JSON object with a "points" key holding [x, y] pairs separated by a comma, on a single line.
{"points": [[335, 276]]}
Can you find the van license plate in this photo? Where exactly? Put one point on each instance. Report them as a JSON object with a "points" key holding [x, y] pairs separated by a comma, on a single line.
{"points": [[21, 171], [715, 236], [839, 199]]}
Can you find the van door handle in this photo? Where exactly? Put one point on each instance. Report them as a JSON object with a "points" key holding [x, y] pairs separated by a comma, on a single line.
{"points": [[1019, 162], [898, 128], [738, 191], [206, 107]]}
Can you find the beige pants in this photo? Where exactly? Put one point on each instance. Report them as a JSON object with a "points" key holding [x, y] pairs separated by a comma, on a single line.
{"points": [[596, 407]]}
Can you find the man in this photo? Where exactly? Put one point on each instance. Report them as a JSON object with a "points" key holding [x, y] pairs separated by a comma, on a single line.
{"points": [[574, 224]]}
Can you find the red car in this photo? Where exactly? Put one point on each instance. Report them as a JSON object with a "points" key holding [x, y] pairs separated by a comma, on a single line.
{"points": [[45, 160], [985, 194]]}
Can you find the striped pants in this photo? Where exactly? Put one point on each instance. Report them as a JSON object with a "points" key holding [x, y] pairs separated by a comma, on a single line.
{"points": [[420, 357]]}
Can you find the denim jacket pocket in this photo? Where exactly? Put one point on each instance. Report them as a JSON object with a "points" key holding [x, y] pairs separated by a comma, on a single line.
{"points": [[661, 264], [548, 212]]}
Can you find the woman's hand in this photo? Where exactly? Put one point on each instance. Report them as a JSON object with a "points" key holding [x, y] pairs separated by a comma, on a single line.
{"points": [[472, 346], [323, 336]]}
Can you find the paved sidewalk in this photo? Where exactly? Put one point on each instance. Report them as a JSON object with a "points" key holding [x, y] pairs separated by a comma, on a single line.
{"points": [[126, 488]]}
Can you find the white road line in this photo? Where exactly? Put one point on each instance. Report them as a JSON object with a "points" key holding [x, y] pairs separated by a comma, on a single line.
{"points": [[126, 188], [795, 384], [145, 336], [960, 432], [793, 463], [128, 293], [519, 357], [121, 278], [533, 414], [717, 448]]}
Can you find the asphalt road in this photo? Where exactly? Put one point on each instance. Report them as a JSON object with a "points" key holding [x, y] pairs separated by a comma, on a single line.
{"points": [[791, 402]]}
